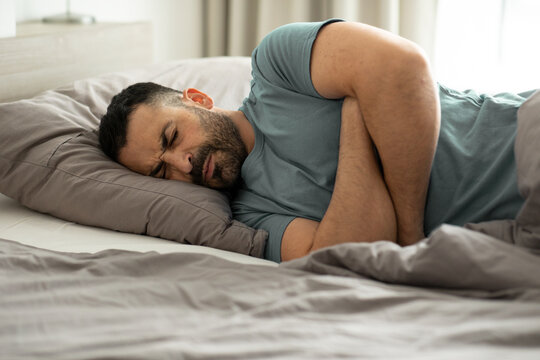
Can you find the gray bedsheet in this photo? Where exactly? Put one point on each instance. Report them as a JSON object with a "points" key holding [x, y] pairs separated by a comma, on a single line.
{"points": [[457, 295]]}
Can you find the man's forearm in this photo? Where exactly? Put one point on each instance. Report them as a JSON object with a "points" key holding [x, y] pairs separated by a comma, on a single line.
{"points": [[403, 119], [361, 209]]}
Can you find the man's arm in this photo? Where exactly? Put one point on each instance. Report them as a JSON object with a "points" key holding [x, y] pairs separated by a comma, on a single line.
{"points": [[360, 208], [390, 81]]}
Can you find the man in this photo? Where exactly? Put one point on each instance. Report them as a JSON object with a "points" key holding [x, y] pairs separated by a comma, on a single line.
{"points": [[334, 143]]}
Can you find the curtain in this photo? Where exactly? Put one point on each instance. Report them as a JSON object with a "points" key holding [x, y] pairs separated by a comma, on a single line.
{"points": [[235, 27]]}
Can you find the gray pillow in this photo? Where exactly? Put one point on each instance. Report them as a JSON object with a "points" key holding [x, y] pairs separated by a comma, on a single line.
{"points": [[50, 160]]}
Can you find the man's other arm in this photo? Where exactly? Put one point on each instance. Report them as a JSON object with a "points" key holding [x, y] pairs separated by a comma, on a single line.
{"points": [[389, 81]]}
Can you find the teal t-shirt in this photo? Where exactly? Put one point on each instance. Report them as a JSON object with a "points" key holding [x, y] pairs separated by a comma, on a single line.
{"points": [[473, 176], [291, 170]]}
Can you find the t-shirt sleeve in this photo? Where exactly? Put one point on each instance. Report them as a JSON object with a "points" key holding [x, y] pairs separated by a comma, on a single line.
{"points": [[283, 57], [274, 224], [280, 71]]}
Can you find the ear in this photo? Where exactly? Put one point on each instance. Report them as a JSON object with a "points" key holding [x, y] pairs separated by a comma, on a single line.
{"points": [[198, 97]]}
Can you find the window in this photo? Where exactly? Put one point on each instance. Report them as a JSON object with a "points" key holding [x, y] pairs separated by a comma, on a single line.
{"points": [[488, 45]]}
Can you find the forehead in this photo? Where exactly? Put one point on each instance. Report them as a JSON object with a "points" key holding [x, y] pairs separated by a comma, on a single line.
{"points": [[143, 137]]}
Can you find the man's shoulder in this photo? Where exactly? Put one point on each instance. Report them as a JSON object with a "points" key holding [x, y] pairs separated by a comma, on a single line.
{"points": [[282, 59], [290, 35]]}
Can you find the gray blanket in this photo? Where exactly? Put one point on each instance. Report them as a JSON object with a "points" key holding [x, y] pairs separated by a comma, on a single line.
{"points": [[524, 230], [456, 295]]}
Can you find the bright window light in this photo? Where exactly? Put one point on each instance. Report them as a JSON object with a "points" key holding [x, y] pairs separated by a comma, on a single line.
{"points": [[488, 45]]}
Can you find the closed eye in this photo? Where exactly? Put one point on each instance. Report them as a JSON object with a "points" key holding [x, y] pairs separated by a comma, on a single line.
{"points": [[169, 145], [173, 138], [165, 143]]}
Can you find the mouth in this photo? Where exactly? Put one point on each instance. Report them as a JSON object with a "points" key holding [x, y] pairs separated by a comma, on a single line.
{"points": [[208, 168]]}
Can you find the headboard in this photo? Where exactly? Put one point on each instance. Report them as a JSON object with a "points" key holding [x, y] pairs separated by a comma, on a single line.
{"points": [[45, 56]]}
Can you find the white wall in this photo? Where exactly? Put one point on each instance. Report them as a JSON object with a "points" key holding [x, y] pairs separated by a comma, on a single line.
{"points": [[177, 23]]}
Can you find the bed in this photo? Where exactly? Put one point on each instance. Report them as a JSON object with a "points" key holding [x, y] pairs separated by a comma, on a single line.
{"points": [[97, 262]]}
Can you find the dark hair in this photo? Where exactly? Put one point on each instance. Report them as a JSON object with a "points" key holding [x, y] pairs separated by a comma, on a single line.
{"points": [[113, 126]]}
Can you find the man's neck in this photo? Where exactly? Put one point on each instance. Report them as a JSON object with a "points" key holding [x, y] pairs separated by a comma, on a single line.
{"points": [[243, 126]]}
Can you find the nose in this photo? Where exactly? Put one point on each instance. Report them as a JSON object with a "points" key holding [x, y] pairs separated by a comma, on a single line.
{"points": [[179, 160]]}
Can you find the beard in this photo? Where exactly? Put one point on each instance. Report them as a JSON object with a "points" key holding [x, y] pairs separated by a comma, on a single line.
{"points": [[225, 145]]}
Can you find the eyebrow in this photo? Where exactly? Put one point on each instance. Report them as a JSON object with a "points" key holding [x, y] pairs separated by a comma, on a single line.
{"points": [[164, 144]]}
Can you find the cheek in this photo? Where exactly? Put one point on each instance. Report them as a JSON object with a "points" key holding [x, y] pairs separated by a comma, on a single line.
{"points": [[194, 133], [191, 142]]}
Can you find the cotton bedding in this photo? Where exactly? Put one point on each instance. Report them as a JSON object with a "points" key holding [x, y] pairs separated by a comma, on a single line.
{"points": [[70, 291], [456, 295]]}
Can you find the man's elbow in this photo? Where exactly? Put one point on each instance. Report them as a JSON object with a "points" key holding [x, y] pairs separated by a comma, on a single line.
{"points": [[411, 65]]}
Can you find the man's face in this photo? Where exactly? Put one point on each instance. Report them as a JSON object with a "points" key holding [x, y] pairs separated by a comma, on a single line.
{"points": [[190, 144]]}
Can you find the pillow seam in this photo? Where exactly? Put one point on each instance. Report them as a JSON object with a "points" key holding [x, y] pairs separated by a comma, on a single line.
{"points": [[58, 147]]}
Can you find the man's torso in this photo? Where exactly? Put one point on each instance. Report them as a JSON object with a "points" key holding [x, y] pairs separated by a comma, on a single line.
{"points": [[291, 171]]}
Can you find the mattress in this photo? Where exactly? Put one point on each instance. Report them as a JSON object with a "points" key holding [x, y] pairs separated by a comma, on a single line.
{"points": [[26, 226]]}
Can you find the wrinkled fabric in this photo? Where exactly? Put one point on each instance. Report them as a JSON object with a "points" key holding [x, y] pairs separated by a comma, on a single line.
{"points": [[524, 230], [458, 295]]}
